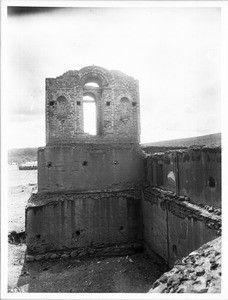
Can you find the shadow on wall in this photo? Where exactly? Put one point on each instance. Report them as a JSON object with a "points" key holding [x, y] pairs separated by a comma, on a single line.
{"points": [[195, 173], [180, 184]]}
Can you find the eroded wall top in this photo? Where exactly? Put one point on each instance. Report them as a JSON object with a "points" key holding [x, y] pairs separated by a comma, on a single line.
{"points": [[114, 95]]}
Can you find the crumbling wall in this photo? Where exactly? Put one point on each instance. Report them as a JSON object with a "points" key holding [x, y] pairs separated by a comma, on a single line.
{"points": [[89, 167], [77, 221], [100, 166], [181, 183], [116, 100], [173, 227], [195, 172], [156, 149], [74, 160]]}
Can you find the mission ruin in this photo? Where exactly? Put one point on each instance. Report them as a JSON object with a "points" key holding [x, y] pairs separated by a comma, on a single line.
{"points": [[102, 193]]}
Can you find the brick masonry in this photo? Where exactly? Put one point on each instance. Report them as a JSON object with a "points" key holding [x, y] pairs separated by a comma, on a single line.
{"points": [[116, 100]]}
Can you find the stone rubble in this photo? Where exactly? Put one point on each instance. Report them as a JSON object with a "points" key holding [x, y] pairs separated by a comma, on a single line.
{"points": [[199, 272], [103, 251]]}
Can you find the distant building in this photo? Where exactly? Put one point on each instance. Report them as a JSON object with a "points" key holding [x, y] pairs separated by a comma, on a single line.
{"points": [[32, 165]]}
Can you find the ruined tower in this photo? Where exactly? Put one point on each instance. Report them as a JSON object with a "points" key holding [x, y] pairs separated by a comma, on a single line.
{"points": [[88, 184], [74, 160], [99, 194]]}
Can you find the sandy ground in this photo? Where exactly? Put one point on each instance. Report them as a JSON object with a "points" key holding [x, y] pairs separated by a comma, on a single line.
{"points": [[126, 274], [20, 186]]}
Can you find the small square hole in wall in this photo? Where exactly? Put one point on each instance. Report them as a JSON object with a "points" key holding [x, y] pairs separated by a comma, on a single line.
{"points": [[108, 103], [85, 163], [134, 103], [211, 182], [52, 103], [121, 228], [78, 103]]}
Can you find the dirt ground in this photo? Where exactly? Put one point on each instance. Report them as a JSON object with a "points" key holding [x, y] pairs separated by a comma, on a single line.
{"points": [[127, 274]]}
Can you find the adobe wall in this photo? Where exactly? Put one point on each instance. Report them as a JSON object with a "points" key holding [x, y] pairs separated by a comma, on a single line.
{"points": [[156, 149], [58, 222], [82, 199], [74, 160], [180, 184], [194, 172], [89, 167], [90, 187], [173, 227]]}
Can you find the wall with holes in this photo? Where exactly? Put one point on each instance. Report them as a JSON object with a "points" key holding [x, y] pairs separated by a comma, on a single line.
{"points": [[101, 166], [89, 167], [116, 98], [194, 172], [76, 221], [172, 227], [74, 160]]}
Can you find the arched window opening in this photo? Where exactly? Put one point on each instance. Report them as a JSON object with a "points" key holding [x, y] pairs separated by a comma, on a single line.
{"points": [[92, 84], [89, 115], [88, 98]]}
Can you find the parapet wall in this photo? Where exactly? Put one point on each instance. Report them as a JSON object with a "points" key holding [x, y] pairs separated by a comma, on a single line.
{"points": [[156, 149], [60, 222], [194, 172]]}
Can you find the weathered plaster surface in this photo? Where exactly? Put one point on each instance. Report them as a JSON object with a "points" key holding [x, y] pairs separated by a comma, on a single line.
{"points": [[173, 226], [89, 167], [194, 172], [76, 221]]}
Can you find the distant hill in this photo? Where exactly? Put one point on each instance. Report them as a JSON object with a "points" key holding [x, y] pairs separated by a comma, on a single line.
{"points": [[205, 140], [23, 155]]}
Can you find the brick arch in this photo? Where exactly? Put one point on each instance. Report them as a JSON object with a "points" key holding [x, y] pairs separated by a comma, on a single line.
{"points": [[91, 94], [94, 74]]}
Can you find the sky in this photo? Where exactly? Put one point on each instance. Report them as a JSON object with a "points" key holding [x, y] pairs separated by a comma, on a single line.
{"points": [[173, 52]]}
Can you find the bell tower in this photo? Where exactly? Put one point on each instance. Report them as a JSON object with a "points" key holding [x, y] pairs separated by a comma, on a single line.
{"points": [[116, 99], [75, 160], [89, 178]]}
